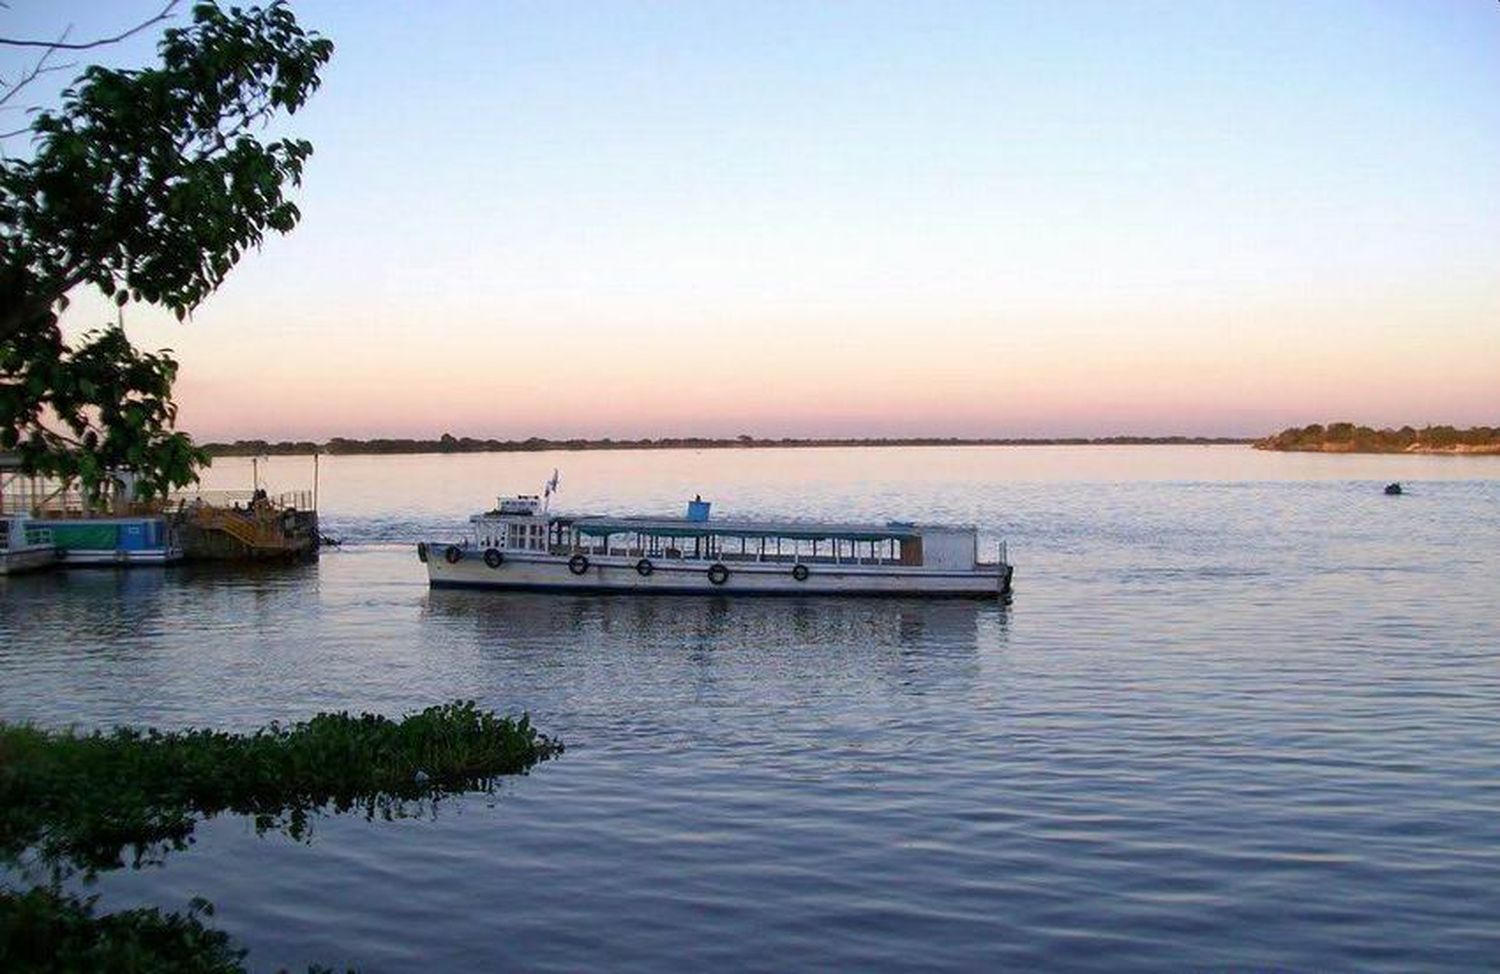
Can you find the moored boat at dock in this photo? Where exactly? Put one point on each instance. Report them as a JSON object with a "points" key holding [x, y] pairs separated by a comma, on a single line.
{"points": [[522, 545], [139, 539], [24, 545], [117, 528]]}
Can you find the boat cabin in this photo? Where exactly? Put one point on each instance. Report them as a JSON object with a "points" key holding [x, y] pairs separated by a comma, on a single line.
{"points": [[516, 524], [521, 524]]}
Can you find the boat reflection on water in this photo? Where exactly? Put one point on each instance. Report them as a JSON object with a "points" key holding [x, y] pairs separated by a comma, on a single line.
{"points": [[102, 611], [801, 625]]}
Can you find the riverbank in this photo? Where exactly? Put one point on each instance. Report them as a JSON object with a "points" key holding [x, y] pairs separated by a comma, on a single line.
{"points": [[1459, 450], [1349, 438]]}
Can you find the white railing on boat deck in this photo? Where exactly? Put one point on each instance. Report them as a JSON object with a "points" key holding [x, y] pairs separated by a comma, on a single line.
{"points": [[749, 557], [686, 554], [29, 536]]}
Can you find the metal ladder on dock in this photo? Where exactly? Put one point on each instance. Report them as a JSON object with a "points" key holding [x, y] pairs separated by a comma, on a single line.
{"points": [[257, 533]]}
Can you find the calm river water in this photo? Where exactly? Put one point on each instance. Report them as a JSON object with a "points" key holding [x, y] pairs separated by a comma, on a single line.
{"points": [[1244, 712]]}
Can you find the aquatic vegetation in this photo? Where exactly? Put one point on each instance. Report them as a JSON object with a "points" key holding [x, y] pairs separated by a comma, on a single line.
{"points": [[83, 799], [79, 800], [45, 930]]}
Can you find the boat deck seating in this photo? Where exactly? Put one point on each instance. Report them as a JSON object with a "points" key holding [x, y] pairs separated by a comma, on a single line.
{"points": [[728, 557]]}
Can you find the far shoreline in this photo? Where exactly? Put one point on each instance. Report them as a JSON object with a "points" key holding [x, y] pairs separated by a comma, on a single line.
{"points": [[1345, 437], [449, 445]]}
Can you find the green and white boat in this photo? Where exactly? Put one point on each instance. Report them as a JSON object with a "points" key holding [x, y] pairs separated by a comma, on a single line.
{"points": [[24, 545], [126, 540]]}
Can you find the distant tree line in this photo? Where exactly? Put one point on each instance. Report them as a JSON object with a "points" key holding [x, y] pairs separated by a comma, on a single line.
{"points": [[448, 443], [1349, 438]]}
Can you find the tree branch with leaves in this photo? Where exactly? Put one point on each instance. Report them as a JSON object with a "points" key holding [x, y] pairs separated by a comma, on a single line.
{"points": [[147, 185], [41, 66]]}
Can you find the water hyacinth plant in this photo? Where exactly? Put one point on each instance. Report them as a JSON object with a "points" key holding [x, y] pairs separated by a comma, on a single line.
{"points": [[47, 930], [81, 800], [71, 801]]}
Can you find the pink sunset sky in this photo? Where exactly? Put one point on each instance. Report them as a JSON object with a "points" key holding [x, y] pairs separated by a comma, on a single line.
{"points": [[884, 219]]}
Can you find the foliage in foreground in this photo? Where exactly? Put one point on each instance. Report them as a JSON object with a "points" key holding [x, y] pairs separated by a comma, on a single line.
{"points": [[81, 800], [147, 185], [44, 930]]}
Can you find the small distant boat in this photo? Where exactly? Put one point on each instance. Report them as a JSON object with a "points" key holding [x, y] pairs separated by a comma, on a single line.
{"points": [[1392, 490], [521, 545]]}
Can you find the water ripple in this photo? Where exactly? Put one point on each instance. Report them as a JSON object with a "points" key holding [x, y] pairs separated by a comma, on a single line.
{"points": [[1244, 724]]}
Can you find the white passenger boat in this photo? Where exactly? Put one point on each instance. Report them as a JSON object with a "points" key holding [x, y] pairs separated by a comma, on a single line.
{"points": [[521, 545]]}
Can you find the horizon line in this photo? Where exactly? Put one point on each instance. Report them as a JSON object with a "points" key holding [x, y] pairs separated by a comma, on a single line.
{"points": [[466, 444]]}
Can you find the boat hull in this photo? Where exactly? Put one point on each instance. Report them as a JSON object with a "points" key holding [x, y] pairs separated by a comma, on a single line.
{"points": [[14, 561], [101, 557], [552, 573]]}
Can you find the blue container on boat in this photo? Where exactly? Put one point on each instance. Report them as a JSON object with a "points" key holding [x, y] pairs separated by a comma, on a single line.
{"points": [[145, 534], [133, 536], [698, 509]]}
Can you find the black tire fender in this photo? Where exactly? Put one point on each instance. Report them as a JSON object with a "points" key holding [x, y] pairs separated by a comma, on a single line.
{"points": [[644, 568], [452, 555], [800, 572], [578, 564], [718, 574], [493, 557]]}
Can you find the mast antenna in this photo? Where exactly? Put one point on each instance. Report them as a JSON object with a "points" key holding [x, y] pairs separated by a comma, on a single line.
{"points": [[548, 491]]}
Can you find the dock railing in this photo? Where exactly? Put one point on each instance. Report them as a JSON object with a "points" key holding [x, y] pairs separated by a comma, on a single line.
{"points": [[294, 500], [69, 502], [31, 497]]}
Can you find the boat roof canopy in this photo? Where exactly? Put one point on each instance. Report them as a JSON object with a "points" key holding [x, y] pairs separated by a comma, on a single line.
{"points": [[799, 530]]}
